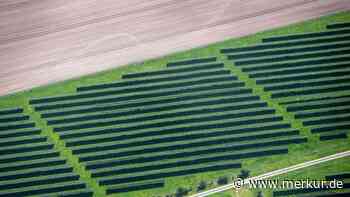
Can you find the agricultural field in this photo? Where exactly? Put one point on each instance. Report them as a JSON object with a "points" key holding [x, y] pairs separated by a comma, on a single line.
{"points": [[256, 103]]}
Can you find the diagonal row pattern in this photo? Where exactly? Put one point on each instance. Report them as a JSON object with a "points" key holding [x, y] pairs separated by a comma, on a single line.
{"points": [[29, 164], [308, 74], [193, 116]]}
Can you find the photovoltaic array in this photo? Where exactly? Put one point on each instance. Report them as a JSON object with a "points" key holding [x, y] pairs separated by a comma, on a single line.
{"points": [[194, 116]]}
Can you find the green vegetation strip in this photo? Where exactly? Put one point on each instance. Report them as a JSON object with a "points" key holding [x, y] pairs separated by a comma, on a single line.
{"points": [[299, 153], [66, 153], [266, 96]]}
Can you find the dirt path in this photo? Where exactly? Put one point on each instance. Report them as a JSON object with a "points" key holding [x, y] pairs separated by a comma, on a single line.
{"points": [[47, 41]]}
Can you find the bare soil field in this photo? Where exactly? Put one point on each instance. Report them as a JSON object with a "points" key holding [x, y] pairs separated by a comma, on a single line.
{"points": [[47, 41]]}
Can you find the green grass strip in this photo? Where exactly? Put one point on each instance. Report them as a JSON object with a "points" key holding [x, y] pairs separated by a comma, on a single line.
{"points": [[265, 96], [65, 152]]}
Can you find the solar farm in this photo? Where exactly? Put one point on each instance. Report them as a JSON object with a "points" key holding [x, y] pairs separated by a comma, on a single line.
{"points": [[257, 103]]}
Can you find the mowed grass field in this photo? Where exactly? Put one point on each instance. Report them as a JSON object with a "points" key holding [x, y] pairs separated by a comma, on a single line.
{"points": [[313, 149]]}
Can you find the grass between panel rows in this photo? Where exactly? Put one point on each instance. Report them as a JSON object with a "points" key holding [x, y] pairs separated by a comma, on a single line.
{"points": [[298, 153]]}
